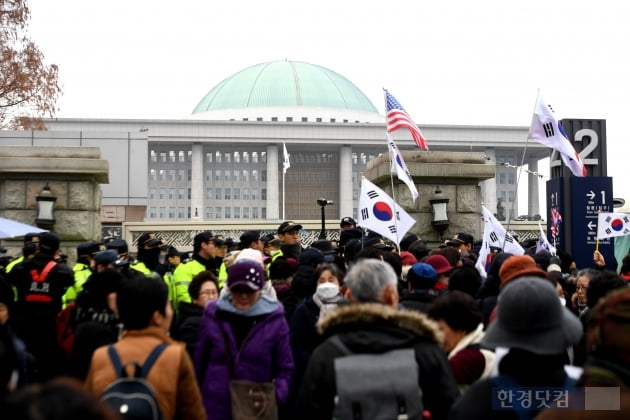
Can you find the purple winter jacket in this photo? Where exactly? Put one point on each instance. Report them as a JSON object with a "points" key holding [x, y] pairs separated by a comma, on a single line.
{"points": [[265, 356]]}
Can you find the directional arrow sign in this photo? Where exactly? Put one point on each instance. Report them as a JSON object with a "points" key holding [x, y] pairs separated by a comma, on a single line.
{"points": [[591, 225], [591, 194]]}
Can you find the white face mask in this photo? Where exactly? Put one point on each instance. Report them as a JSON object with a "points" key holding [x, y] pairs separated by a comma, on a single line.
{"points": [[327, 291], [563, 301]]}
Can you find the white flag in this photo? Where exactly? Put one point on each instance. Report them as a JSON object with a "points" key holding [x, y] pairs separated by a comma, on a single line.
{"points": [[494, 235], [543, 243], [286, 164], [400, 168], [546, 129], [610, 225], [379, 213]]}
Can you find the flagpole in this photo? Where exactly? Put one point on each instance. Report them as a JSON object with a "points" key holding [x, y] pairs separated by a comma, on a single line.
{"points": [[283, 174], [391, 175], [518, 173]]}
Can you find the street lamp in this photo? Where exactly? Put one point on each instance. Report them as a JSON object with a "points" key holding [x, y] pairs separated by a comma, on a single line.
{"points": [[439, 206], [323, 203], [45, 207]]}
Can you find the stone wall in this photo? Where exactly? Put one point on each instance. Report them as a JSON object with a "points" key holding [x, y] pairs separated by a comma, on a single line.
{"points": [[74, 175], [457, 174]]}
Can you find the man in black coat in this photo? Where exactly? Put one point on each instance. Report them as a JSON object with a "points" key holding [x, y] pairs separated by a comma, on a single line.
{"points": [[41, 282], [372, 324]]}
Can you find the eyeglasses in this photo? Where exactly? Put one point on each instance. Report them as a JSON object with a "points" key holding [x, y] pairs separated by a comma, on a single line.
{"points": [[581, 287], [209, 292]]}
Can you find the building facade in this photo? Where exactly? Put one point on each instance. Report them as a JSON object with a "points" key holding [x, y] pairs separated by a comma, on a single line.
{"points": [[224, 162]]}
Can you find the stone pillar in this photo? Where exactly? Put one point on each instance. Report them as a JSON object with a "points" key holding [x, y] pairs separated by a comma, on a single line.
{"points": [[345, 181], [458, 174], [197, 210], [533, 201], [74, 175], [273, 183]]}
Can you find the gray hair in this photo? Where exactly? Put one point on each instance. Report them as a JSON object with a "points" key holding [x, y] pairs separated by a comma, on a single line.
{"points": [[367, 279]]}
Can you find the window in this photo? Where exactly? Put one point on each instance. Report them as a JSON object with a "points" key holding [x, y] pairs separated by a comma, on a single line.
{"points": [[237, 212], [152, 212], [236, 193], [228, 193], [181, 213], [162, 193], [171, 193], [263, 212], [511, 178], [354, 177], [318, 119], [245, 157], [217, 175], [189, 193], [227, 212], [190, 174], [182, 156], [163, 174], [289, 119], [162, 156], [304, 119], [236, 175], [217, 157], [188, 212], [502, 178], [153, 174], [227, 175], [510, 196], [254, 212], [153, 156], [263, 194], [237, 157], [254, 157], [245, 212], [181, 193], [209, 193], [255, 175], [152, 193], [228, 157], [171, 156], [274, 118], [208, 212], [245, 175], [209, 157], [331, 120], [217, 212], [189, 157], [171, 212], [254, 194], [263, 176], [181, 173], [217, 193], [162, 212], [171, 174], [245, 193]]}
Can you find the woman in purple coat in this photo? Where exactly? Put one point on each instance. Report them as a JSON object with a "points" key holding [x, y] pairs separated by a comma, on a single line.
{"points": [[255, 332]]}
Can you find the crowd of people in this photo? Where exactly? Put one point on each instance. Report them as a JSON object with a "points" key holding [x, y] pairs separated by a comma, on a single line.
{"points": [[355, 328]]}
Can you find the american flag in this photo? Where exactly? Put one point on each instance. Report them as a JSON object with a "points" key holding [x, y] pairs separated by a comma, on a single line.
{"points": [[556, 219], [397, 118]]}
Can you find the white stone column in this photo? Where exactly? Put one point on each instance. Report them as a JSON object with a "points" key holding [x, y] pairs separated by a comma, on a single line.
{"points": [[345, 181], [197, 210], [533, 201], [489, 186], [273, 183]]}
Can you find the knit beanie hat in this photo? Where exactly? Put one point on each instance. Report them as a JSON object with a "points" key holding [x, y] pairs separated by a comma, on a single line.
{"points": [[248, 273], [422, 276], [518, 266]]}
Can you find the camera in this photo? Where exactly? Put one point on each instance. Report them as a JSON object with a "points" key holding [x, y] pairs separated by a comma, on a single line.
{"points": [[323, 202]]}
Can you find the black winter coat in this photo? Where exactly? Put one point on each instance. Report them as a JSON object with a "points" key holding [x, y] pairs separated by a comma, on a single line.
{"points": [[377, 328]]}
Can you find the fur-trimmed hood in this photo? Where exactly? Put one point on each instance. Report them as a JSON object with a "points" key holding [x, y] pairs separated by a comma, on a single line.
{"points": [[413, 322]]}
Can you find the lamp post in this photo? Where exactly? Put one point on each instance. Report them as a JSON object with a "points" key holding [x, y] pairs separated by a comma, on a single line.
{"points": [[439, 206], [45, 207], [323, 203]]}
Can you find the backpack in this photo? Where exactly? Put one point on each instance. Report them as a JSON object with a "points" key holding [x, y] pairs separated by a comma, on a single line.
{"points": [[133, 398], [377, 386], [65, 329]]}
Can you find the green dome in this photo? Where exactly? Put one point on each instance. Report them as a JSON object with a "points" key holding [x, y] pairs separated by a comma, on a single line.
{"points": [[285, 84]]}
